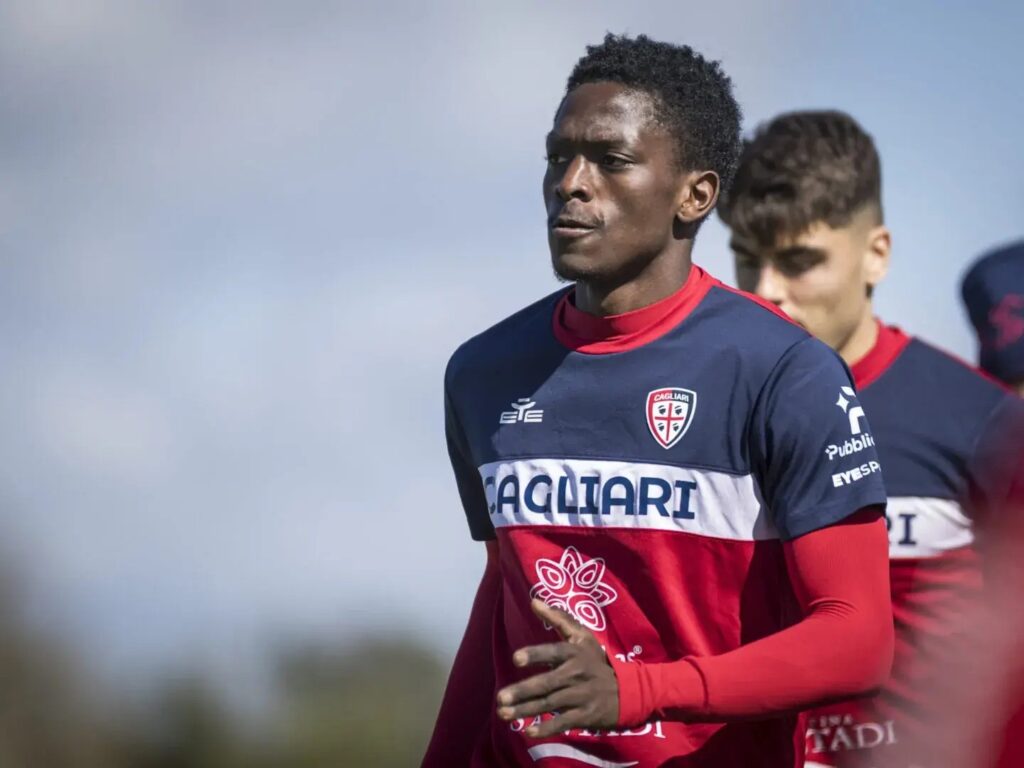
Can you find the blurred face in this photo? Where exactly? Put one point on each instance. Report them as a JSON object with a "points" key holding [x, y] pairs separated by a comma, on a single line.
{"points": [[613, 188], [821, 277]]}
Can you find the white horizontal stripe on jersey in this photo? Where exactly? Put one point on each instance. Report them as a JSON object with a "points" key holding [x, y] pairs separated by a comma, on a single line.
{"points": [[542, 751], [920, 526], [623, 494]]}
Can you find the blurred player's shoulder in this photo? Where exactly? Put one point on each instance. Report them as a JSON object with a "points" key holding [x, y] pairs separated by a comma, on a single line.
{"points": [[930, 391], [744, 299], [754, 328], [949, 376], [507, 341]]}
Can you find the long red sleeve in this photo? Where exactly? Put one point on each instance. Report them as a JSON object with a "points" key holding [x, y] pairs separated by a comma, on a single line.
{"points": [[469, 697], [842, 647]]}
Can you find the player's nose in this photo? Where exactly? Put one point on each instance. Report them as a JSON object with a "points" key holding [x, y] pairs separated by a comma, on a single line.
{"points": [[575, 182], [770, 285]]}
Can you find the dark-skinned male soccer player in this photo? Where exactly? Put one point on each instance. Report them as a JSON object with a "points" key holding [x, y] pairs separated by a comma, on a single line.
{"points": [[674, 565], [808, 233]]}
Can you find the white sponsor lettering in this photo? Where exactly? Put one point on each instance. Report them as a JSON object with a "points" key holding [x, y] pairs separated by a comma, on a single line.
{"points": [[851, 476], [841, 733], [542, 751], [850, 446], [647, 729]]}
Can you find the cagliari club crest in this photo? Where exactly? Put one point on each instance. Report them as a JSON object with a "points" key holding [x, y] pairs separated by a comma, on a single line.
{"points": [[669, 413]]}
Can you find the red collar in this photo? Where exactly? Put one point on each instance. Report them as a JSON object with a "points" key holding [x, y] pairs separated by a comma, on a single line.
{"points": [[593, 335], [890, 343]]}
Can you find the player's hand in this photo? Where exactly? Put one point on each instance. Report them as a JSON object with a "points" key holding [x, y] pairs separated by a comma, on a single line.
{"points": [[581, 685]]}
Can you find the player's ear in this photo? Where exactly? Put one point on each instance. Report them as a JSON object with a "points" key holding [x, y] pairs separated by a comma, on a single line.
{"points": [[698, 196], [876, 254]]}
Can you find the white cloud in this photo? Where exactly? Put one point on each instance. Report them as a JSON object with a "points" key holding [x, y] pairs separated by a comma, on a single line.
{"points": [[100, 427]]}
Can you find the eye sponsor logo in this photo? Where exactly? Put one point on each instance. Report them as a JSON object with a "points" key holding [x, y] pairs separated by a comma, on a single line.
{"points": [[851, 476]]}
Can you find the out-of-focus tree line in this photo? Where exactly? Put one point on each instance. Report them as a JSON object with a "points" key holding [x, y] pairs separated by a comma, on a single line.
{"points": [[369, 704]]}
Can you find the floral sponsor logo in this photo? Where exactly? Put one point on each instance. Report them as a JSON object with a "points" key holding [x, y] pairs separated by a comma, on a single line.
{"points": [[574, 585]]}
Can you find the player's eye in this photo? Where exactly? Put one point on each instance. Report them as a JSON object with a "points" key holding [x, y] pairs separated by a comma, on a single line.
{"points": [[553, 158], [746, 261], [797, 265], [615, 161]]}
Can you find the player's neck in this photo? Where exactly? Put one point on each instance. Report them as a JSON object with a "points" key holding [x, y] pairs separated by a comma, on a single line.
{"points": [[661, 278], [863, 338]]}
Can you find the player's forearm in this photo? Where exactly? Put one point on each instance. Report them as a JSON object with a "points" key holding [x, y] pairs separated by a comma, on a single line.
{"points": [[469, 697], [806, 665], [843, 647], [829, 656]]}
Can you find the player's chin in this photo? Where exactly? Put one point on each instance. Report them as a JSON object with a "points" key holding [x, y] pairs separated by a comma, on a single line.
{"points": [[574, 263]]}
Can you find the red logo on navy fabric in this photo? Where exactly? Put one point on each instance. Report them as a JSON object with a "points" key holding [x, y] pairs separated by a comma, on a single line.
{"points": [[1007, 319], [669, 413]]}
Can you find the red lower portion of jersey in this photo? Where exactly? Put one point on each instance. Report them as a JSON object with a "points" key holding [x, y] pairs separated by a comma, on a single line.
{"points": [[933, 602], [702, 596]]}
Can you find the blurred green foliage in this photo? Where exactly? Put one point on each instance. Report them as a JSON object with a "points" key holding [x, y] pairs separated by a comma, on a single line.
{"points": [[370, 703]]}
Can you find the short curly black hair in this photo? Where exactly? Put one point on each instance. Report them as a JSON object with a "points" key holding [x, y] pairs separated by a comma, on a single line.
{"points": [[800, 169], [692, 96]]}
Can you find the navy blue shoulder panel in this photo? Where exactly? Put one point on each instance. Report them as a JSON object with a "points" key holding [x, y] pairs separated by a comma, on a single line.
{"points": [[594, 405], [505, 343], [929, 411]]}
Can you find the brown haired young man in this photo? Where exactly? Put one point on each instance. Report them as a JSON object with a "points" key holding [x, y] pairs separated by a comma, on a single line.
{"points": [[808, 235]]}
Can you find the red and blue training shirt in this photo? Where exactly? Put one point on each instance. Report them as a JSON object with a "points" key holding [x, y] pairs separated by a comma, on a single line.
{"points": [[646, 483]]}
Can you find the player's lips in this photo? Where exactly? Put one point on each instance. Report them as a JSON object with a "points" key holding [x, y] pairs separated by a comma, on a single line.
{"points": [[572, 226]]}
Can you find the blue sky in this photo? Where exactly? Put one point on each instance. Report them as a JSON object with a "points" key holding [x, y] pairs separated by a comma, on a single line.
{"points": [[239, 242]]}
